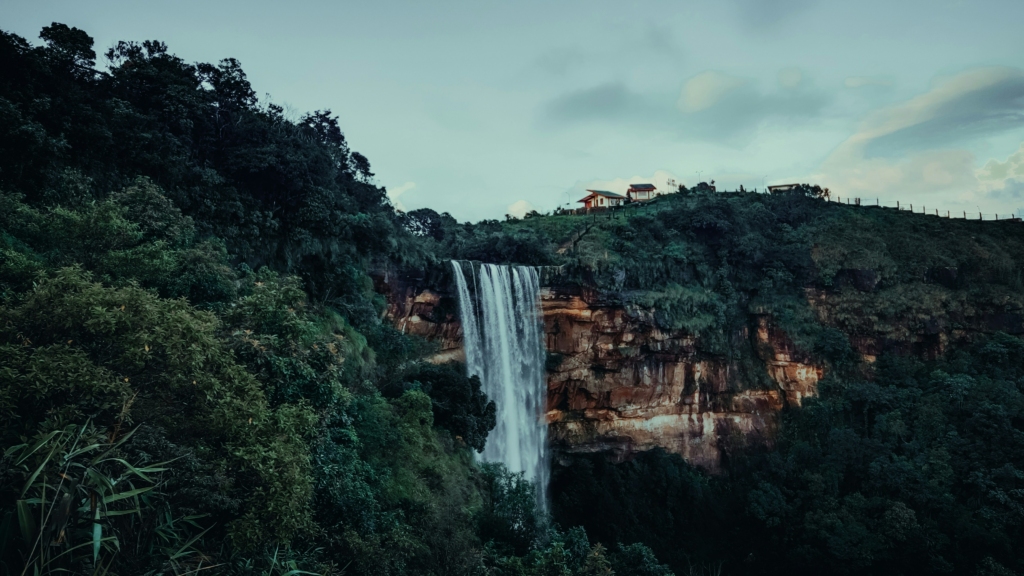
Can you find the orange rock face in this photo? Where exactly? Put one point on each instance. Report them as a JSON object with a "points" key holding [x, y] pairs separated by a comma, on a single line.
{"points": [[619, 384]]}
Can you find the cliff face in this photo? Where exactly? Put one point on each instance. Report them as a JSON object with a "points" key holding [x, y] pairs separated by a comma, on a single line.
{"points": [[619, 384]]}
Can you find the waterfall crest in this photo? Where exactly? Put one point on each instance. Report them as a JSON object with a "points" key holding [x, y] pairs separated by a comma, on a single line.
{"points": [[499, 307]]}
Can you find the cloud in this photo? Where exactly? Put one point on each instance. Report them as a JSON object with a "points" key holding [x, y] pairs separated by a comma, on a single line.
{"points": [[661, 39], [605, 100], [1004, 180], [917, 147], [1011, 169], [560, 61], [639, 47], [929, 172], [395, 193], [761, 14], [519, 208], [975, 103], [608, 101], [790, 77], [724, 108], [711, 106], [706, 89], [862, 81], [1011, 190]]}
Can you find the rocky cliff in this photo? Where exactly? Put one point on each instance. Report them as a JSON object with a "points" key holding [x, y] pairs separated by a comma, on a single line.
{"points": [[618, 384]]}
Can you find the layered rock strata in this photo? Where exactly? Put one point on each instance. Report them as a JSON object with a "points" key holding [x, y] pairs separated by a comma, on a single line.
{"points": [[619, 384]]}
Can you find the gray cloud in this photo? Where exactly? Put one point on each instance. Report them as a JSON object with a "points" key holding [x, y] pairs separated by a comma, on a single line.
{"points": [[735, 107], [759, 14], [991, 102], [608, 102], [640, 45], [560, 61], [1012, 189], [910, 148], [661, 39], [713, 107]]}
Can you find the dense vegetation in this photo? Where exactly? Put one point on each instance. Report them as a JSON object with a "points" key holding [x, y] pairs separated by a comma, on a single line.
{"points": [[917, 471], [193, 370], [194, 373], [909, 464]]}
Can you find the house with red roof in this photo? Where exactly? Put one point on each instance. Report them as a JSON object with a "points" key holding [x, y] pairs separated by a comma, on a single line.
{"points": [[602, 199]]}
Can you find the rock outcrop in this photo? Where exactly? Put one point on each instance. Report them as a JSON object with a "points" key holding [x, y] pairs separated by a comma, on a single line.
{"points": [[619, 384]]}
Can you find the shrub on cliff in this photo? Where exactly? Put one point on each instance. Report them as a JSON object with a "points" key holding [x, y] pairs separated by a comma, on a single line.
{"points": [[459, 405]]}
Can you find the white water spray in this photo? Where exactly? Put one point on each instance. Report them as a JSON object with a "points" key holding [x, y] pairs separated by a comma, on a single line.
{"points": [[501, 329]]}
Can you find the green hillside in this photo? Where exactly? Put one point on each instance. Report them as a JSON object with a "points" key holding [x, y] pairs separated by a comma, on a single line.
{"points": [[194, 374]]}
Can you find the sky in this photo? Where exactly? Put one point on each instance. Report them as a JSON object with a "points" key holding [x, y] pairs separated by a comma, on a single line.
{"points": [[486, 108]]}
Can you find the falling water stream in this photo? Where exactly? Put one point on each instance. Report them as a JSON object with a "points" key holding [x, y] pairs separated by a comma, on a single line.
{"points": [[499, 307]]}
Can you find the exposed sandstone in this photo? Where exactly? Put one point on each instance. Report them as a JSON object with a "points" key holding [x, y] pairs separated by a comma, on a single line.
{"points": [[619, 384]]}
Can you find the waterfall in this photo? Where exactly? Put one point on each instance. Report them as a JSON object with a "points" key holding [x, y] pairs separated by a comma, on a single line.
{"points": [[501, 328]]}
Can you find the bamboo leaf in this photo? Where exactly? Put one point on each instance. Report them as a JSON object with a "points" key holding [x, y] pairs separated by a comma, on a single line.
{"points": [[39, 443], [76, 547], [126, 494], [72, 455], [34, 475], [182, 551], [97, 535], [26, 521], [141, 472], [110, 513], [100, 480]]}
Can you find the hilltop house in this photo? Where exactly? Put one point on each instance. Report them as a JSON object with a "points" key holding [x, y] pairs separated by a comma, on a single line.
{"points": [[602, 199], [641, 192]]}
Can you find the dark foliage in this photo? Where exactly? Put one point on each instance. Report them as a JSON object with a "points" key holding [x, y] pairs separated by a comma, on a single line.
{"points": [[194, 371], [917, 471], [160, 397], [458, 403]]}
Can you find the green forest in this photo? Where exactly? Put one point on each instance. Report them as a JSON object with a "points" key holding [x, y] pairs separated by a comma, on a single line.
{"points": [[196, 375]]}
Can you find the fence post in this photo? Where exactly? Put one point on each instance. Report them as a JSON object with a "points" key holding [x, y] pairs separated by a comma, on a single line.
{"points": [[897, 204]]}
